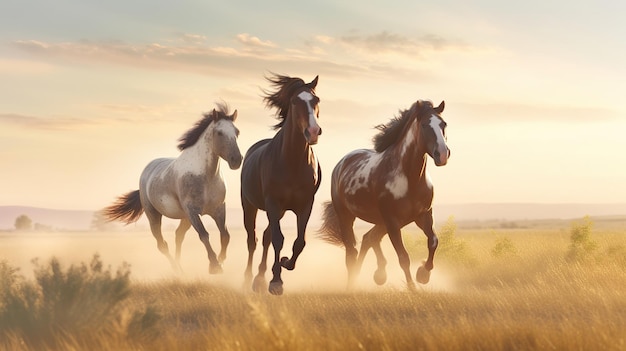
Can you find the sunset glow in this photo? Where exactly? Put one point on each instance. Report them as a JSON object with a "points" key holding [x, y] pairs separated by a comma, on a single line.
{"points": [[93, 91]]}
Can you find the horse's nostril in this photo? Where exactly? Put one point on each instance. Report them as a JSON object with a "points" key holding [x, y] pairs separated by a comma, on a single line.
{"points": [[320, 132]]}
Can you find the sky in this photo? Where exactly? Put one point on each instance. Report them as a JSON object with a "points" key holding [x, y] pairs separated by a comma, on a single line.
{"points": [[91, 91]]}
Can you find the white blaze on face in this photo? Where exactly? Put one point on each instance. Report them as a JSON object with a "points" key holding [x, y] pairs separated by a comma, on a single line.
{"points": [[313, 127], [435, 124]]}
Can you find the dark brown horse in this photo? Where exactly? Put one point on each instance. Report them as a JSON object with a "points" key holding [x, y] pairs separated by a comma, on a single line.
{"points": [[281, 174], [388, 187]]}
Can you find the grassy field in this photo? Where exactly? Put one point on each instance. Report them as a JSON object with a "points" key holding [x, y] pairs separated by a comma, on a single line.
{"points": [[528, 286]]}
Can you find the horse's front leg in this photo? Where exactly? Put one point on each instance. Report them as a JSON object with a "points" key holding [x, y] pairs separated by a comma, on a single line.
{"points": [[249, 222], [274, 215], [220, 220], [259, 281], [425, 223], [300, 242], [395, 236], [194, 217]]}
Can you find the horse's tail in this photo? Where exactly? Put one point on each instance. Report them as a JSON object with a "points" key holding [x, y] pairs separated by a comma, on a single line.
{"points": [[330, 231], [127, 208]]}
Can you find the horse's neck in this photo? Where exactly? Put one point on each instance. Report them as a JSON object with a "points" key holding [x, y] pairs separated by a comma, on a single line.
{"points": [[199, 159], [410, 153], [293, 145]]}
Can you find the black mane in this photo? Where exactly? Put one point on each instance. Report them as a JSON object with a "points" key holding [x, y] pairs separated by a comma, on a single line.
{"points": [[193, 134], [392, 131], [280, 99]]}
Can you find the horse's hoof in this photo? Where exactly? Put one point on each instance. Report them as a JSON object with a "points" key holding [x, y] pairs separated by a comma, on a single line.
{"points": [[287, 264], [380, 276], [423, 275], [259, 284], [215, 269], [276, 288], [410, 286]]}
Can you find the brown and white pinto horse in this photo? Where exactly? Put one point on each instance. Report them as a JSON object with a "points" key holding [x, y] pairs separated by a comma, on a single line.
{"points": [[281, 174], [388, 187]]}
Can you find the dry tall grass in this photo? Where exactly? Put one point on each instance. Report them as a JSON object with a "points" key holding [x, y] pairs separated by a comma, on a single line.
{"points": [[514, 289]]}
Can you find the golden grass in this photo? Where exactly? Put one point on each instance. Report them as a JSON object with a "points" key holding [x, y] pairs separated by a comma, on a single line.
{"points": [[529, 297]]}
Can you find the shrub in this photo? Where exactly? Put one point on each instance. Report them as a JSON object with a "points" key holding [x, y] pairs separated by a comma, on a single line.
{"points": [[582, 246], [66, 306], [504, 247], [451, 248]]}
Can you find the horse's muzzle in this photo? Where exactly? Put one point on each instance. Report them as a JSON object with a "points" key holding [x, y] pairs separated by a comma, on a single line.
{"points": [[441, 159], [234, 162], [312, 133]]}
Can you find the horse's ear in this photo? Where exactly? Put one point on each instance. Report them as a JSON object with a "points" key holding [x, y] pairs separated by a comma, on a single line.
{"points": [[234, 116], [214, 115], [313, 83], [441, 106]]}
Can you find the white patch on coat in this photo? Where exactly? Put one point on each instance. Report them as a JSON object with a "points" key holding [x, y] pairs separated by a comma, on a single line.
{"points": [[429, 182], [398, 186], [408, 139], [361, 176]]}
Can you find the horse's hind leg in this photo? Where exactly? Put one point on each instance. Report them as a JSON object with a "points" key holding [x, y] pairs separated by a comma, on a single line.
{"points": [[155, 227], [183, 226], [425, 222], [372, 239], [346, 222], [220, 220]]}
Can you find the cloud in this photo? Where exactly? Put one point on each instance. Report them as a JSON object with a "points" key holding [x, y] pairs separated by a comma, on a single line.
{"points": [[387, 42], [512, 112], [348, 55], [44, 123], [252, 41]]}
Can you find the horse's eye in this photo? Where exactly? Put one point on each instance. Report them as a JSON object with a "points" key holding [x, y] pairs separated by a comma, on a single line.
{"points": [[219, 133]]}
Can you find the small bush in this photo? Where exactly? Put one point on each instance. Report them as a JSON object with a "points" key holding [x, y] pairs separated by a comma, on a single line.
{"points": [[582, 246], [616, 254], [451, 248], [504, 247]]}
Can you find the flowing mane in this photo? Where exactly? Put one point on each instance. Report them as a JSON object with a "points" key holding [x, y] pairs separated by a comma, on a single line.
{"points": [[193, 134], [392, 131], [280, 99]]}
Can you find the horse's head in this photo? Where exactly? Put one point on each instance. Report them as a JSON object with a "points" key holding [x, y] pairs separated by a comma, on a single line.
{"points": [[305, 111], [223, 136], [433, 131]]}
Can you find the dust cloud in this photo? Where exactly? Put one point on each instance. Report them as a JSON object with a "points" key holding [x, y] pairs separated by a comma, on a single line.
{"points": [[320, 268]]}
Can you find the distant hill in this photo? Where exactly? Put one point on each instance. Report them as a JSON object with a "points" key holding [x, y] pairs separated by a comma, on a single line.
{"points": [[54, 219], [81, 219], [526, 211]]}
